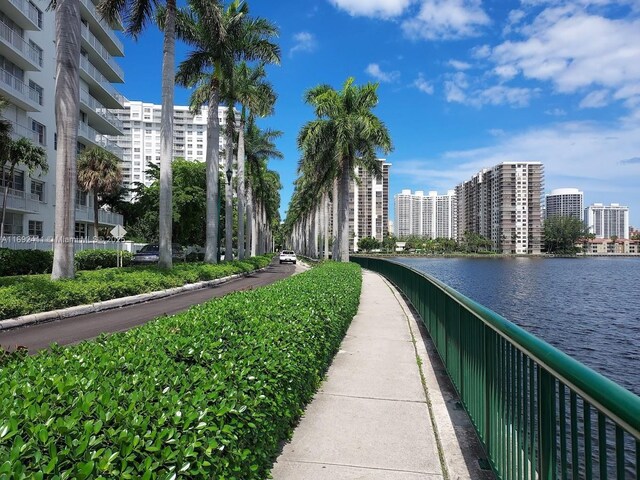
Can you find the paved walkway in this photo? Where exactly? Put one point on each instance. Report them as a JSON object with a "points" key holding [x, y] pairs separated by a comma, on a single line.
{"points": [[380, 415]]}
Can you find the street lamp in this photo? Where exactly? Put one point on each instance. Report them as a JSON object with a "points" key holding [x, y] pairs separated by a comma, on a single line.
{"points": [[229, 175]]}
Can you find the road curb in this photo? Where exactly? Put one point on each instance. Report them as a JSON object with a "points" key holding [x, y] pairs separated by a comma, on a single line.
{"points": [[50, 316]]}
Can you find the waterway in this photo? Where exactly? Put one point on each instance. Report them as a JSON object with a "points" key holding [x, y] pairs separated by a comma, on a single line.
{"points": [[587, 307]]}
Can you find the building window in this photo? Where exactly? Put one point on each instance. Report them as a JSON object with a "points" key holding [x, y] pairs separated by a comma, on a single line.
{"points": [[37, 190], [40, 131], [81, 199], [81, 230], [37, 52], [16, 183], [36, 92], [35, 228], [13, 224], [35, 14]]}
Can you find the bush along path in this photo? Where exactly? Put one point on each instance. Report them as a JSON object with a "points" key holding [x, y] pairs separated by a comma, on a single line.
{"points": [[22, 295], [209, 393]]}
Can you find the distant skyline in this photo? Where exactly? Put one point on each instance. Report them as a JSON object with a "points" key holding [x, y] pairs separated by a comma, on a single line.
{"points": [[464, 85]]}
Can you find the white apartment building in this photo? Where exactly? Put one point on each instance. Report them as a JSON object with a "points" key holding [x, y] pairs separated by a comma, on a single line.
{"points": [[606, 221], [503, 204], [431, 215], [565, 202], [27, 82], [140, 141]]}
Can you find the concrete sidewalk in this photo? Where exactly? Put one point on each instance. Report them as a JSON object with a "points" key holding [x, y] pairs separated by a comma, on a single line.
{"points": [[380, 414]]}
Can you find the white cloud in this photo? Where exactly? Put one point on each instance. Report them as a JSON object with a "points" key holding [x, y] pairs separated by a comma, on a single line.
{"points": [[506, 72], [373, 8], [303, 42], [556, 112], [457, 89], [497, 132], [595, 99], [376, 72], [458, 65], [423, 85], [446, 19]]}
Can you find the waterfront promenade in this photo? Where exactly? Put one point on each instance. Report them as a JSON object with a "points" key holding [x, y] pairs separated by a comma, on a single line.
{"points": [[386, 410]]}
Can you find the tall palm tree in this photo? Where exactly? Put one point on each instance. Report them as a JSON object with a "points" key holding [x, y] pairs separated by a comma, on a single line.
{"points": [[257, 97], [347, 132], [207, 66], [136, 14], [99, 172], [67, 113], [20, 152]]}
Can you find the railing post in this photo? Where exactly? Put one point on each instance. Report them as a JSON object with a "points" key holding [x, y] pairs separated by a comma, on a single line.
{"points": [[547, 424]]}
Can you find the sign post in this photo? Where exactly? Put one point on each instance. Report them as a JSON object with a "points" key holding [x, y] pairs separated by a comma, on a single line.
{"points": [[118, 232]]}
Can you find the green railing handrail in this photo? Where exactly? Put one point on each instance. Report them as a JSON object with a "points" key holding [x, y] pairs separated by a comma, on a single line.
{"points": [[621, 406]]}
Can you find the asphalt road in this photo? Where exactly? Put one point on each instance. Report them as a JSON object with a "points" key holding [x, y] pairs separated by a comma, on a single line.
{"points": [[75, 329]]}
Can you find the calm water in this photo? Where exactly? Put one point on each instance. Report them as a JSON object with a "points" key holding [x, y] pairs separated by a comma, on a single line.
{"points": [[587, 307]]}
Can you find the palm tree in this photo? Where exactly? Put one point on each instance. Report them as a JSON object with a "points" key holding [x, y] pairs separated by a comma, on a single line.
{"points": [[20, 152], [257, 97], [136, 14], [67, 112], [99, 172], [216, 50], [347, 132]]}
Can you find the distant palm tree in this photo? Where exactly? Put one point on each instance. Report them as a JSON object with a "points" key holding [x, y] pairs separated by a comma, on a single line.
{"points": [[238, 37], [136, 14], [349, 133], [99, 172], [20, 152]]}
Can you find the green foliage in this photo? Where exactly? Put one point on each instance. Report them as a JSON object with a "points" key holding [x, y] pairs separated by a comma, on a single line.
{"points": [[562, 233], [368, 243], [475, 242], [37, 293], [389, 243], [24, 262], [97, 259], [209, 393]]}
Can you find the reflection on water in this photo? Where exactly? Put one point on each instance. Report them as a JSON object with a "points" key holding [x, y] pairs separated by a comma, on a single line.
{"points": [[587, 307]]}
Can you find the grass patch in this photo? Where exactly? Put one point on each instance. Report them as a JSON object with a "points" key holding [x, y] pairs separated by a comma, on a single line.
{"points": [[208, 393]]}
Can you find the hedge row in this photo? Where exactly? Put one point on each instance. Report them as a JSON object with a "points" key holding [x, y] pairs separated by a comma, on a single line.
{"points": [[34, 262], [209, 393], [37, 293]]}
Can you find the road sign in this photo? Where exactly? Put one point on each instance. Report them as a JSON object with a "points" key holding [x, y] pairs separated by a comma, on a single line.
{"points": [[118, 231]]}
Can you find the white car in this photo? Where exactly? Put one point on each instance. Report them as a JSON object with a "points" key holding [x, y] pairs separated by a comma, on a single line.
{"points": [[287, 256]]}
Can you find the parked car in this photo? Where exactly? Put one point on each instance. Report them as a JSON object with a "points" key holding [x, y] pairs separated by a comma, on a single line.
{"points": [[150, 254], [287, 256]]}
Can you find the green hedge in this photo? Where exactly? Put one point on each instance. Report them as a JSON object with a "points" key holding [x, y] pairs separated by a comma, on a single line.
{"points": [[97, 259], [37, 293], [25, 262], [209, 393]]}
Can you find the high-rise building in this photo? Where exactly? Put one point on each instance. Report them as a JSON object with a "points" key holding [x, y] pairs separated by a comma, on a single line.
{"points": [[369, 205], [27, 82], [606, 221], [140, 141], [503, 204], [565, 202], [433, 215]]}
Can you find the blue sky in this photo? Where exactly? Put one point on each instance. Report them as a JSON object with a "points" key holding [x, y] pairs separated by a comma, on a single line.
{"points": [[463, 84]]}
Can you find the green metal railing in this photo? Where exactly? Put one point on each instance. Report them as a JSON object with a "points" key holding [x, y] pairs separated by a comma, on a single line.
{"points": [[539, 413]]}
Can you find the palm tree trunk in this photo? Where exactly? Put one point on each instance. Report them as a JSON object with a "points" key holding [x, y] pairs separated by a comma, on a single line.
{"points": [[343, 213], [213, 168], [326, 225], [241, 192], [67, 112], [4, 202], [250, 215], [334, 230], [228, 196], [95, 215], [166, 136]]}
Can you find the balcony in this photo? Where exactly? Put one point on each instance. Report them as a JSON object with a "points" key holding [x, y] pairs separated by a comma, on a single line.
{"points": [[86, 134], [104, 32], [85, 214], [20, 131], [20, 201], [23, 13], [18, 92], [99, 117], [99, 87], [18, 50], [98, 55]]}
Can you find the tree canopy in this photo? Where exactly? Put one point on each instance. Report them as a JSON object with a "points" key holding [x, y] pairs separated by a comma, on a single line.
{"points": [[562, 233]]}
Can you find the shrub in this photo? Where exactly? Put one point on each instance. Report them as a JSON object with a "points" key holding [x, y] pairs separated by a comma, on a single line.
{"points": [[96, 259], [208, 393], [25, 262], [21, 295]]}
